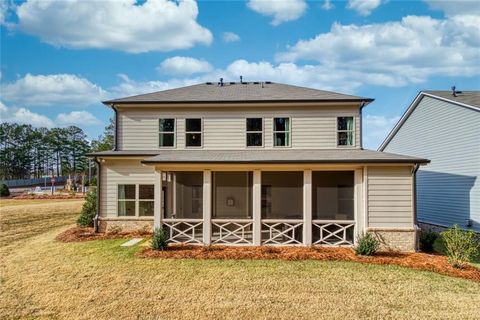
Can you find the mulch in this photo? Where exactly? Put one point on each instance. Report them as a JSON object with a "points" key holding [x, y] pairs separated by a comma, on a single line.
{"points": [[418, 260], [48, 196]]}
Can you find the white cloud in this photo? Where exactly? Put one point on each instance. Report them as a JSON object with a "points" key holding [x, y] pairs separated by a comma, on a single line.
{"points": [[376, 128], [457, 7], [77, 118], [184, 66], [48, 90], [126, 25], [230, 37], [24, 116], [363, 7], [327, 5], [280, 10], [408, 51]]}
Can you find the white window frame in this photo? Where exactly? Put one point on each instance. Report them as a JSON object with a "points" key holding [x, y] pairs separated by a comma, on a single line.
{"points": [[247, 132], [352, 131], [289, 132], [190, 132], [136, 200], [174, 132]]}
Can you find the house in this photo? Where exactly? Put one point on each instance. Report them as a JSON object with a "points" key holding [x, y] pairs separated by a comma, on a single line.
{"points": [[443, 126], [254, 163]]}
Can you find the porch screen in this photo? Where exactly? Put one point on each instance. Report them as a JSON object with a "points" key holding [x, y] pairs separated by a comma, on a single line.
{"points": [[183, 194], [232, 195], [333, 195], [282, 195]]}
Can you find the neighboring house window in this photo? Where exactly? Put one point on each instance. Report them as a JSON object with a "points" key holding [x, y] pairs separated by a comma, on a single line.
{"points": [[166, 133], [193, 132], [254, 132], [281, 132], [135, 200], [126, 200], [345, 131]]}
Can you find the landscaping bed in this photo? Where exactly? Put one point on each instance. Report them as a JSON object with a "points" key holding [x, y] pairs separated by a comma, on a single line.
{"points": [[79, 234], [48, 196]]}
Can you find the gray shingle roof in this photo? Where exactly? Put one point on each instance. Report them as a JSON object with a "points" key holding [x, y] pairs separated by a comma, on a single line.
{"points": [[472, 98], [239, 92], [267, 156]]}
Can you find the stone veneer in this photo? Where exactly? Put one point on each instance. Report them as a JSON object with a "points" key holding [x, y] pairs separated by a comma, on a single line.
{"points": [[127, 225], [397, 239]]}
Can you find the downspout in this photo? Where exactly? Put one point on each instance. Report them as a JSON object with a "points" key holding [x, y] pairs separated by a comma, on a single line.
{"points": [[97, 208], [417, 229], [361, 124], [115, 134]]}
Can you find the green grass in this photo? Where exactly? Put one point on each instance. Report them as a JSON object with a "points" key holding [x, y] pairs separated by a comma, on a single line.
{"points": [[43, 278]]}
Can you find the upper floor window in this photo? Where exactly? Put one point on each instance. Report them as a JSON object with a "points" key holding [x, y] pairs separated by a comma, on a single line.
{"points": [[254, 132], [166, 134], [345, 131], [193, 132], [281, 132]]}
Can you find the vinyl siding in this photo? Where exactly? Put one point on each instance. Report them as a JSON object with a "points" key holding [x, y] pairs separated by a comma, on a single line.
{"points": [[115, 172], [311, 128], [390, 197], [448, 189]]}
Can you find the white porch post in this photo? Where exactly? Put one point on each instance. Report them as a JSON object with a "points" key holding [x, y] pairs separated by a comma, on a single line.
{"points": [[207, 207], [157, 207], [307, 207], [257, 207]]}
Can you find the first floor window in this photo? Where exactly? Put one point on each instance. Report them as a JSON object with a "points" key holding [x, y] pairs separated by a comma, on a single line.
{"points": [[281, 132], [166, 134], [130, 198], [193, 132], [254, 132], [126, 200], [345, 131], [145, 199]]}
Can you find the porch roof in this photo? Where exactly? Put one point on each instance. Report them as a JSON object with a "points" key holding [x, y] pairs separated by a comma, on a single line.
{"points": [[330, 156]]}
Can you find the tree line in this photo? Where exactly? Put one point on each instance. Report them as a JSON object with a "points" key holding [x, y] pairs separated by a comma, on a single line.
{"points": [[27, 152]]}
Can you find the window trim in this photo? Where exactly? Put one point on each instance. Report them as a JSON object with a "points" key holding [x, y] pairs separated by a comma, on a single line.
{"points": [[136, 200], [289, 132], [247, 132], [353, 132], [174, 132], [190, 132]]}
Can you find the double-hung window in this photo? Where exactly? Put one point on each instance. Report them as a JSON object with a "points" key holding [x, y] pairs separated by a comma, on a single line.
{"points": [[126, 200], [145, 199], [281, 132], [135, 200], [345, 131], [166, 135], [254, 132], [193, 132]]}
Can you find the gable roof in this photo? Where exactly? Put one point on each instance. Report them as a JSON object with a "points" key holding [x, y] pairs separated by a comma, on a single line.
{"points": [[236, 92], [466, 99]]}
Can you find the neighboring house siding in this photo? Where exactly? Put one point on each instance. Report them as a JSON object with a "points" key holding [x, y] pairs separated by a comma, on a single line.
{"points": [[390, 197], [224, 128], [115, 172], [448, 189]]}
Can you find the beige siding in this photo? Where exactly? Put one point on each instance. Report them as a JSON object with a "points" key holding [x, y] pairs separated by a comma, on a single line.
{"points": [[390, 197], [223, 128], [116, 172]]}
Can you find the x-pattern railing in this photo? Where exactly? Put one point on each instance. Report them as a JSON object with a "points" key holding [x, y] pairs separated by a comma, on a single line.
{"points": [[334, 233], [184, 231], [232, 231], [282, 232]]}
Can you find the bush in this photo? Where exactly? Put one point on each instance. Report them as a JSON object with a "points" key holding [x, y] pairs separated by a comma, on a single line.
{"points": [[367, 245], [427, 239], [461, 246], [160, 239], [4, 191], [89, 210]]}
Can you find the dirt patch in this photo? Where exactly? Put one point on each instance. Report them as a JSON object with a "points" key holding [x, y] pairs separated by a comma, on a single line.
{"points": [[79, 234], [48, 196], [418, 261]]}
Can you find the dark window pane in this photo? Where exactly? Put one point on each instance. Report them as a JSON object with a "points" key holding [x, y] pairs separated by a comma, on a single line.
{"points": [[145, 208], [345, 138], [281, 139], [281, 124], [194, 139], [167, 125], [166, 140], [333, 195], [126, 208], [126, 191], [254, 124], [254, 139], [146, 191], [193, 125], [345, 123]]}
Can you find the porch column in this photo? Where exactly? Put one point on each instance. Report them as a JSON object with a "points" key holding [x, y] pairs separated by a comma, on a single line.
{"points": [[157, 197], [257, 207], [207, 207], [307, 207]]}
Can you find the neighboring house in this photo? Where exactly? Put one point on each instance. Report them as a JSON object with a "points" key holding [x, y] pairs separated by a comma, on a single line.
{"points": [[445, 128], [253, 163]]}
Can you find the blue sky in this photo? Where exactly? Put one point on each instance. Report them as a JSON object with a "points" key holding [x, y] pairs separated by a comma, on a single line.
{"points": [[59, 59]]}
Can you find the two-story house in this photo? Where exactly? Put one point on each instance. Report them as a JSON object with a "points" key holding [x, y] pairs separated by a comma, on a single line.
{"points": [[253, 163]]}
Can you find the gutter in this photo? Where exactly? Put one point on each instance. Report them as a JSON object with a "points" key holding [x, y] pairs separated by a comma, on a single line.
{"points": [[97, 208], [362, 105], [417, 228]]}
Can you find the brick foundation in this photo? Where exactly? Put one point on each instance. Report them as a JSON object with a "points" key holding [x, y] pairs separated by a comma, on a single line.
{"points": [[405, 240]]}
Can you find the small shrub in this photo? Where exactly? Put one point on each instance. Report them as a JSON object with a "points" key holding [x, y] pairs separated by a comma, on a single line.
{"points": [[367, 245], [461, 246], [4, 191], [159, 239], [89, 210], [427, 239]]}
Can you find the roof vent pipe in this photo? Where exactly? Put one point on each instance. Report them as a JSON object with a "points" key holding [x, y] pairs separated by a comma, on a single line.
{"points": [[241, 79], [221, 82], [454, 91]]}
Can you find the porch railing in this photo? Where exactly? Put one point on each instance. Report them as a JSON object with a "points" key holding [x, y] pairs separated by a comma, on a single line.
{"points": [[232, 231], [333, 232], [281, 232], [184, 230]]}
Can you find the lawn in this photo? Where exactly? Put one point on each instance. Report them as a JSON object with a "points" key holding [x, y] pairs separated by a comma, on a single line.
{"points": [[43, 278]]}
